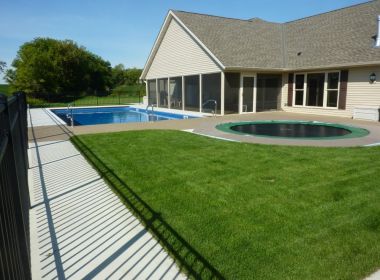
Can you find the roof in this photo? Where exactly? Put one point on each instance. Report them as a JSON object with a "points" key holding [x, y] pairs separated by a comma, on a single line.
{"points": [[234, 42], [339, 38]]}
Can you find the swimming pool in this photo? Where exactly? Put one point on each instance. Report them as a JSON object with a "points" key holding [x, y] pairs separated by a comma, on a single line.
{"points": [[294, 129], [108, 115]]}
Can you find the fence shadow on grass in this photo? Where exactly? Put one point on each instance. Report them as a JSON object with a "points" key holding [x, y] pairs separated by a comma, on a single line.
{"points": [[188, 259]]}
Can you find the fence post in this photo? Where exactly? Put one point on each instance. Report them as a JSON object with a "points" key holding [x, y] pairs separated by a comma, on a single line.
{"points": [[14, 199], [23, 125]]}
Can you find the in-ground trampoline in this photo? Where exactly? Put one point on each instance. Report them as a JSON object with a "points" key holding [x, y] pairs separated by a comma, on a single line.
{"points": [[294, 129]]}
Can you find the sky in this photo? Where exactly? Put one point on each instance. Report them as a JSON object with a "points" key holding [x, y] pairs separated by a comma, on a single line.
{"points": [[125, 31]]}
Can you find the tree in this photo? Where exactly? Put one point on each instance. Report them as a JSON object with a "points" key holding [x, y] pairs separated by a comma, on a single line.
{"points": [[3, 65], [58, 67], [118, 75], [132, 76]]}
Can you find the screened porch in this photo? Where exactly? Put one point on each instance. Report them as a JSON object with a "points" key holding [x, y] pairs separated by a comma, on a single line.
{"points": [[217, 93]]}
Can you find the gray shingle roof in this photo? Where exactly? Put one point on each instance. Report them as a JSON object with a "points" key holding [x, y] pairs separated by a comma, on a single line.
{"points": [[340, 37]]}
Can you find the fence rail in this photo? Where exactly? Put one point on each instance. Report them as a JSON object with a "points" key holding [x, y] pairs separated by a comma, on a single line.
{"points": [[14, 193]]}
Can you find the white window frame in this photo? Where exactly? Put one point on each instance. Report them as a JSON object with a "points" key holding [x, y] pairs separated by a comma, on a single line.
{"points": [[325, 89], [295, 90], [242, 76]]}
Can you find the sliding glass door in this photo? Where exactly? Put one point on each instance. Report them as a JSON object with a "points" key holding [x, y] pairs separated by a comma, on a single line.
{"points": [[315, 89]]}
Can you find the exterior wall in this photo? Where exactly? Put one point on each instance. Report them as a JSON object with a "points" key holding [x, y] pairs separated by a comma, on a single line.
{"points": [[359, 93], [179, 55]]}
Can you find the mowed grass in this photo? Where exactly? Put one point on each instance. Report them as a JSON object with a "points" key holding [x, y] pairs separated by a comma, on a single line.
{"points": [[256, 211]]}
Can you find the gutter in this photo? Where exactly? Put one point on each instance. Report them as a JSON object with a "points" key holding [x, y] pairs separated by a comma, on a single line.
{"points": [[334, 66]]}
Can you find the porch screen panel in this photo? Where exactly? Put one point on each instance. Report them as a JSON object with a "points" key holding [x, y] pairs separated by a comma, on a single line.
{"points": [[231, 93], [211, 91], [152, 98], [163, 99], [175, 93], [268, 92], [192, 93], [248, 86]]}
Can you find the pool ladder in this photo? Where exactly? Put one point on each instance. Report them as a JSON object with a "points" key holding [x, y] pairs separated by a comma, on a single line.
{"points": [[215, 106], [70, 115], [147, 111]]}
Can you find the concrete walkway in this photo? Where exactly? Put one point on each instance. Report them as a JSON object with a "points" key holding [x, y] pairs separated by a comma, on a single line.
{"points": [[79, 227]]}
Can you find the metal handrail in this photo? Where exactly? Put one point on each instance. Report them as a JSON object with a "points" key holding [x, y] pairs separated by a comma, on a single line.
{"points": [[150, 113], [147, 107], [215, 105], [71, 115]]}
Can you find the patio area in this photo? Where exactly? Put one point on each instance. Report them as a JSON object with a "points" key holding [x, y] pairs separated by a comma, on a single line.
{"points": [[207, 127]]}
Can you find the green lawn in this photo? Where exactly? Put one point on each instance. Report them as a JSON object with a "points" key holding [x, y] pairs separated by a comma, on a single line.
{"points": [[252, 211]]}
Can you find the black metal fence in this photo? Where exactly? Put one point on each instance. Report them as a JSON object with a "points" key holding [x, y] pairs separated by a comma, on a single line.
{"points": [[133, 94], [14, 193]]}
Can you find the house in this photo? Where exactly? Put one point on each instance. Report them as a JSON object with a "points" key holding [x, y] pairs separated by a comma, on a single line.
{"points": [[327, 64]]}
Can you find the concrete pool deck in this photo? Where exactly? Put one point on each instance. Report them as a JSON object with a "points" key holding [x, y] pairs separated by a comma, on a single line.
{"points": [[206, 126], [79, 228]]}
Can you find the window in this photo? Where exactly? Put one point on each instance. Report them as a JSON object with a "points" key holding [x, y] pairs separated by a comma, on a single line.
{"points": [[332, 89], [317, 89], [300, 80]]}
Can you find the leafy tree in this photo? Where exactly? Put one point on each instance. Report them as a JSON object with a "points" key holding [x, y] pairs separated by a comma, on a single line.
{"points": [[118, 75], [10, 75], [132, 76], [3, 65], [58, 67]]}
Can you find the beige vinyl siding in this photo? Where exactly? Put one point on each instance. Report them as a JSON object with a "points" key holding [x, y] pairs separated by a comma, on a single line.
{"points": [[179, 54], [359, 93]]}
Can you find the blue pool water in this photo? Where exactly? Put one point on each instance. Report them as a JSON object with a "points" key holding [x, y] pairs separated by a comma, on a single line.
{"points": [[107, 115]]}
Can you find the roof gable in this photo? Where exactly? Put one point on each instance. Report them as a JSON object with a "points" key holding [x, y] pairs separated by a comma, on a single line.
{"points": [[170, 16]]}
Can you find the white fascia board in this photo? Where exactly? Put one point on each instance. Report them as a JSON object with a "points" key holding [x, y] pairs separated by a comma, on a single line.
{"points": [[157, 42], [160, 36], [220, 64]]}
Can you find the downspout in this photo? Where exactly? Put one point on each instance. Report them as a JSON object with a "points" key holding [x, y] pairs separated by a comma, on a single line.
{"points": [[377, 44]]}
